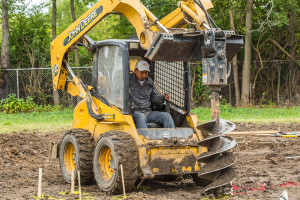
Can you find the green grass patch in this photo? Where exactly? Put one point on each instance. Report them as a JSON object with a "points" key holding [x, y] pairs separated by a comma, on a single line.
{"points": [[255, 115], [36, 121], [63, 120]]}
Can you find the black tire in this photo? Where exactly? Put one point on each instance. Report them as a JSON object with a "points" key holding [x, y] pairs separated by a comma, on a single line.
{"points": [[80, 143], [113, 149]]}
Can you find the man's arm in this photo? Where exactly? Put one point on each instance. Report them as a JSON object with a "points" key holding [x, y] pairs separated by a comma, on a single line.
{"points": [[155, 97]]}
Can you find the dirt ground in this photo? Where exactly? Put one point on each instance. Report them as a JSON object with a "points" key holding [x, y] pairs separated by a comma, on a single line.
{"points": [[266, 167]]}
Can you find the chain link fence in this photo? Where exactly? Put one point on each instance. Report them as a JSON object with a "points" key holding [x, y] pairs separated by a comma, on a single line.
{"points": [[277, 83], [37, 83]]}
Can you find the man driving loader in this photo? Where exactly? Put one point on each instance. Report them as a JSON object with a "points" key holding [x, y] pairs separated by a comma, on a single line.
{"points": [[143, 94]]}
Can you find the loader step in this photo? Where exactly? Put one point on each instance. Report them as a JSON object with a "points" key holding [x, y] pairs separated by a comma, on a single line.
{"points": [[162, 133], [226, 160]]}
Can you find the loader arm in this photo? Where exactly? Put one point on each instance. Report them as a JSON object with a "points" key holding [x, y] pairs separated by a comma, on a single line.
{"points": [[147, 27], [186, 12], [133, 10]]}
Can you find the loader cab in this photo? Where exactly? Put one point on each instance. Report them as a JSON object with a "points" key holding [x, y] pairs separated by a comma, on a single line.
{"points": [[114, 60]]}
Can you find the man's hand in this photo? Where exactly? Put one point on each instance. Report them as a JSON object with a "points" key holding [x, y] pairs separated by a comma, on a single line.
{"points": [[167, 96]]}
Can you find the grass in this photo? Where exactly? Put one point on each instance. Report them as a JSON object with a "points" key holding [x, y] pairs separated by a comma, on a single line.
{"points": [[36, 121], [62, 120], [255, 115]]}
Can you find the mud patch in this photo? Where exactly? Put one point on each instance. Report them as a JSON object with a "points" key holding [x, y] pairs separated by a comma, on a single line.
{"points": [[265, 167]]}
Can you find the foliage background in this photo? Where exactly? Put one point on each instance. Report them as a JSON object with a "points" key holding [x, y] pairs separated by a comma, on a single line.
{"points": [[30, 32]]}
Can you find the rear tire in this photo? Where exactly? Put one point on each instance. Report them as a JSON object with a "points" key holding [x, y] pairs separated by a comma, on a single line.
{"points": [[113, 149], [76, 153]]}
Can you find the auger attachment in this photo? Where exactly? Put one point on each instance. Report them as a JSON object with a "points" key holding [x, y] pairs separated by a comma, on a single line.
{"points": [[217, 161]]}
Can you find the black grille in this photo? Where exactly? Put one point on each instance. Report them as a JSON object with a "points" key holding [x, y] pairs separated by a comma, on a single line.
{"points": [[169, 78]]}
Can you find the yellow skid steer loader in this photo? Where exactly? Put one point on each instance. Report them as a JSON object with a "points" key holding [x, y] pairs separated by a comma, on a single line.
{"points": [[104, 135]]}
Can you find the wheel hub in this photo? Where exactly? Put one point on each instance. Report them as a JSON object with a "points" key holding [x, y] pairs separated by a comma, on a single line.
{"points": [[106, 163], [69, 157]]}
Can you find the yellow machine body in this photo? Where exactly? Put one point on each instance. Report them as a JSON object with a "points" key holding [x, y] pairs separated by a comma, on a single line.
{"points": [[157, 157], [166, 40]]}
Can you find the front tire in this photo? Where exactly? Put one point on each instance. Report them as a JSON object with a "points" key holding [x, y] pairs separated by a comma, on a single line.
{"points": [[113, 149], [76, 153]]}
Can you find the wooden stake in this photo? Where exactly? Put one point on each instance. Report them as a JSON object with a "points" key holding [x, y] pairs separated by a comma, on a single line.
{"points": [[40, 183], [53, 151], [72, 182], [140, 183], [123, 183], [79, 186]]}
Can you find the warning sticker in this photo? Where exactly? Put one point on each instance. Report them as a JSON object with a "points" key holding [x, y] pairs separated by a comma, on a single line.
{"points": [[204, 78]]}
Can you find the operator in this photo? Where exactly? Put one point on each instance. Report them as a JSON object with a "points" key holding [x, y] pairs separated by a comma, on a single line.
{"points": [[143, 93]]}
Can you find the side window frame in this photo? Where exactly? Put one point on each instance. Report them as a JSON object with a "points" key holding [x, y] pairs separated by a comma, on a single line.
{"points": [[125, 67]]}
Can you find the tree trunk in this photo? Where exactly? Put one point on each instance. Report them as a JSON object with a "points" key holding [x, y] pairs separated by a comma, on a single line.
{"points": [[55, 92], [76, 50], [235, 67], [278, 84], [5, 55], [247, 59], [292, 43]]}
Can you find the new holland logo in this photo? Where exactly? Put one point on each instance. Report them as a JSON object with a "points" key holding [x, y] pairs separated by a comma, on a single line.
{"points": [[83, 24]]}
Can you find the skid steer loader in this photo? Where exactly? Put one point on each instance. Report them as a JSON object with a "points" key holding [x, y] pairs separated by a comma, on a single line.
{"points": [[104, 135]]}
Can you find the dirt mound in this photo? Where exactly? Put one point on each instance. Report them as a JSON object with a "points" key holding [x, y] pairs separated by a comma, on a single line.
{"points": [[266, 167], [287, 127]]}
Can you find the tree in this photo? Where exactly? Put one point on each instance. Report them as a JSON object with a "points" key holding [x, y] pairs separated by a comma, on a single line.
{"points": [[55, 92], [76, 50], [5, 52], [245, 96], [235, 66], [30, 38]]}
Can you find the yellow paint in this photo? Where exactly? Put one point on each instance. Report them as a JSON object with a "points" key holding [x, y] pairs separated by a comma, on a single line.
{"points": [[133, 10], [197, 167], [216, 198], [104, 160], [69, 157], [72, 89], [189, 168], [155, 170], [125, 123], [193, 121], [119, 197], [132, 63], [175, 19], [177, 154]]}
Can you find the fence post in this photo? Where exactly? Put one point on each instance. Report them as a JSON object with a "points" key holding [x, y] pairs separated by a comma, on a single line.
{"points": [[18, 83]]}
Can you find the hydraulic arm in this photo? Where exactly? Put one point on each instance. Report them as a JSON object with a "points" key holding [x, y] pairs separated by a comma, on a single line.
{"points": [[133, 10], [165, 40], [147, 27]]}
